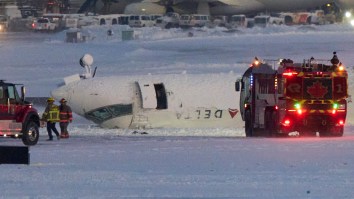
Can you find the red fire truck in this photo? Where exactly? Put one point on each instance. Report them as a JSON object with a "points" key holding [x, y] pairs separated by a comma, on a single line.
{"points": [[304, 98], [18, 118]]}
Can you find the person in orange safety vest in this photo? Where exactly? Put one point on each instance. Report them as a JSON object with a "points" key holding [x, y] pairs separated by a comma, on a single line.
{"points": [[65, 116]]}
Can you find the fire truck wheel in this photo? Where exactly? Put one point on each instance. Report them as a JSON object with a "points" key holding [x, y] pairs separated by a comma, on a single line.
{"points": [[337, 131], [333, 132], [248, 124], [271, 122], [31, 134]]}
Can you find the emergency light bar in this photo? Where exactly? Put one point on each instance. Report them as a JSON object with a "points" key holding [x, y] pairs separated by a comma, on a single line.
{"points": [[289, 73]]}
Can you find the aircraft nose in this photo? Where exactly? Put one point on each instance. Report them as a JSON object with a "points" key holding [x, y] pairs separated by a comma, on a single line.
{"points": [[59, 93]]}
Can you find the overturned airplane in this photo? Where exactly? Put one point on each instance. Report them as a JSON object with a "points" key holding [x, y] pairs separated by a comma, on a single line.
{"points": [[142, 102]]}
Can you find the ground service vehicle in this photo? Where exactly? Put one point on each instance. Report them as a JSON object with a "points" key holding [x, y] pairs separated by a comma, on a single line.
{"points": [[261, 21], [3, 23], [187, 21], [238, 21], [44, 24], [141, 21], [18, 119], [304, 98]]}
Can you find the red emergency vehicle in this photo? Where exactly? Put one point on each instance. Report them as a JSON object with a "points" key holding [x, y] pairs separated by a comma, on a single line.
{"points": [[18, 118], [304, 98]]}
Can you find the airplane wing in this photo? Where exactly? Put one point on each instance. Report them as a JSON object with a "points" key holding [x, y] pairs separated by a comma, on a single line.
{"points": [[213, 7], [221, 7]]}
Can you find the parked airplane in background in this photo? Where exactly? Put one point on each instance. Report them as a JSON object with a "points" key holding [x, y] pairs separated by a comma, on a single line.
{"points": [[345, 4], [169, 101], [213, 7]]}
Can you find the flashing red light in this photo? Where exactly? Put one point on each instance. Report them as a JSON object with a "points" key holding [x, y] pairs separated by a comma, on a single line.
{"points": [[341, 122], [276, 107], [289, 73], [287, 122]]}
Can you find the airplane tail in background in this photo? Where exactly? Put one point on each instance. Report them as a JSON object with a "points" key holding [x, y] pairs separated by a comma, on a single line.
{"points": [[87, 6]]}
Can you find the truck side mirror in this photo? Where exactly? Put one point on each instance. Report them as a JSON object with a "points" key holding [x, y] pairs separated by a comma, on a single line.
{"points": [[23, 92], [237, 86]]}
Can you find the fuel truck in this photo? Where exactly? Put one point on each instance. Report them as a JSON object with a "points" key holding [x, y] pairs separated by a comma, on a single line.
{"points": [[286, 98]]}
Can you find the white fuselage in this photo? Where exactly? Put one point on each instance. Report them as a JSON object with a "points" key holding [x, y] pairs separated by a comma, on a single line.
{"points": [[173, 101]]}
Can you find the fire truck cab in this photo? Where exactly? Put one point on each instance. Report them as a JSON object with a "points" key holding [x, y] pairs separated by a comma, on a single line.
{"points": [[305, 98], [18, 119]]}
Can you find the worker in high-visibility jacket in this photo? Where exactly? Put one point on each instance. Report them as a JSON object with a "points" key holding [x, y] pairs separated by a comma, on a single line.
{"points": [[51, 116], [66, 117]]}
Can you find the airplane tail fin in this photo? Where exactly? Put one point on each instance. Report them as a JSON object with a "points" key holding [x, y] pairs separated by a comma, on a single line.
{"points": [[87, 5]]}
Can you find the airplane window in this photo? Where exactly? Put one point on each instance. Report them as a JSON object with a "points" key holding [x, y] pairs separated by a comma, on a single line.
{"points": [[99, 115], [121, 109], [109, 112]]}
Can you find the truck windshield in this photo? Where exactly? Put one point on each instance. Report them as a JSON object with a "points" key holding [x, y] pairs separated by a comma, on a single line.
{"points": [[260, 20], [2, 96], [43, 21]]}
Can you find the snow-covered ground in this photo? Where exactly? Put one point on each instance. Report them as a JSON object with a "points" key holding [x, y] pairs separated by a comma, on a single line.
{"points": [[101, 163]]}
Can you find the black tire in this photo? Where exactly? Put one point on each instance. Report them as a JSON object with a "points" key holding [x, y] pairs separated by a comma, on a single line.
{"points": [[30, 135], [271, 122], [337, 131], [248, 124], [333, 132]]}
